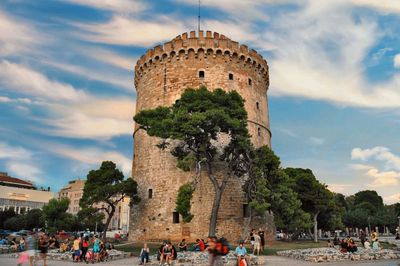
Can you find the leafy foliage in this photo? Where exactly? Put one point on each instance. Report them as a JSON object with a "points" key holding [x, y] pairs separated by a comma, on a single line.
{"points": [[106, 187], [54, 211], [183, 204], [269, 188], [197, 121]]}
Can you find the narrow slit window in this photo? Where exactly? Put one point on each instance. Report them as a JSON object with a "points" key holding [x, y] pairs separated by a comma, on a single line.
{"points": [[246, 211], [230, 76], [201, 74], [175, 217], [259, 131], [250, 82], [258, 105], [150, 193]]}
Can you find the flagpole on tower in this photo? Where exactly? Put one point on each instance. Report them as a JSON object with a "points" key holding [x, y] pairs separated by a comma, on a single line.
{"points": [[198, 24]]}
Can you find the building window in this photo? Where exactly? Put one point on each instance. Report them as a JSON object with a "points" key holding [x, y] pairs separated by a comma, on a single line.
{"points": [[259, 131], [246, 210], [150, 193], [250, 82], [230, 76], [258, 105], [201, 74], [175, 217]]}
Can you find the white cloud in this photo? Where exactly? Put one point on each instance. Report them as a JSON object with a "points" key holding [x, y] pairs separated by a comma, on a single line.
{"points": [[396, 61], [120, 6], [379, 153], [395, 198], [93, 156], [123, 62], [124, 31], [121, 81], [30, 82], [317, 141], [387, 178], [4, 99], [20, 162], [339, 188], [16, 37], [386, 6]]}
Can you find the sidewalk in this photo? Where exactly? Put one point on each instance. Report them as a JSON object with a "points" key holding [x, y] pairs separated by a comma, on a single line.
{"points": [[269, 261]]}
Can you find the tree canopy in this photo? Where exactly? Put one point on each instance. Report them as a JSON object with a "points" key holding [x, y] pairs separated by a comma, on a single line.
{"points": [[198, 121], [104, 189]]}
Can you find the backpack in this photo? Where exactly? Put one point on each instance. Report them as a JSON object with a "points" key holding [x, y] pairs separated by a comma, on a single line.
{"points": [[222, 246]]}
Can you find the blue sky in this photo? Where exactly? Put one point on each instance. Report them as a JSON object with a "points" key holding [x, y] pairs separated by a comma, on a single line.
{"points": [[67, 96]]}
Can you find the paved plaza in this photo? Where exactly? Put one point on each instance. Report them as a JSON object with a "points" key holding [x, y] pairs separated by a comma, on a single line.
{"points": [[269, 260]]}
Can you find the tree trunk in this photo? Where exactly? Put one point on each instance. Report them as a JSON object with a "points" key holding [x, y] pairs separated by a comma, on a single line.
{"points": [[214, 211], [316, 228], [110, 215]]}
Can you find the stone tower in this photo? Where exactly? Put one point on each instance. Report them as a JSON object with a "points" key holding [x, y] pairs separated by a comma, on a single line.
{"points": [[161, 76]]}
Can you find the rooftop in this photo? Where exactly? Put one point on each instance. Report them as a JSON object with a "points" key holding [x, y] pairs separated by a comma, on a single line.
{"points": [[6, 180]]}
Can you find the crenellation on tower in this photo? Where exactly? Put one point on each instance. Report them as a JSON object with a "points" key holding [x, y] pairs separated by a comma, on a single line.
{"points": [[214, 43]]}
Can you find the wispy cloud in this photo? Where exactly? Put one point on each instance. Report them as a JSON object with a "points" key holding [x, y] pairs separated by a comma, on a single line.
{"points": [[317, 141], [131, 31], [16, 37], [120, 6], [386, 6], [384, 154], [396, 61], [20, 162], [395, 198]]}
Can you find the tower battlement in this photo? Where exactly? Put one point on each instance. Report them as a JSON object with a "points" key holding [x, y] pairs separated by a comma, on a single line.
{"points": [[210, 44]]}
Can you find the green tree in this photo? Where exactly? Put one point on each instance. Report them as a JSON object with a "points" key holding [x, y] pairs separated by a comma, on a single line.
{"points": [[15, 223], [6, 214], [370, 196], [35, 219], [92, 219], [269, 188], [106, 187], [197, 121], [54, 209], [315, 197], [183, 203]]}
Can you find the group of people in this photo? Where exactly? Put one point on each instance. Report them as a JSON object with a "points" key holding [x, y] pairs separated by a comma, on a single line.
{"points": [[257, 240], [348, 245]]}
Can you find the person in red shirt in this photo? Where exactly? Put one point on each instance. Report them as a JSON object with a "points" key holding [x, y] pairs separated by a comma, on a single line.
{"points": [[199, 246]]}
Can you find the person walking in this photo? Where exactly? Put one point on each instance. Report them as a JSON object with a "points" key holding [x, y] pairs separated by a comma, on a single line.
{"points": [[43, 247], [362, 237], [31, 248], [84, 248]]}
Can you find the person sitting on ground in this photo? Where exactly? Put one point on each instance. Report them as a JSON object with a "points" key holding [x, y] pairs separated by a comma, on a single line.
{"points": [[336, 241], [53, 243], [167, 254], [343, 246], [64, 247], [159, 251], [14, 244], [374, 236], [183, 245], [329, 244], [21, 246], [376, 245], [367, 244], [199, 246], [397, 235], [351, 246], [144, 254], [241, 252]]}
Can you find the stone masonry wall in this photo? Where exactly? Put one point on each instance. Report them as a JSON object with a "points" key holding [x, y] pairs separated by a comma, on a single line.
{"points": [[161, 76]]}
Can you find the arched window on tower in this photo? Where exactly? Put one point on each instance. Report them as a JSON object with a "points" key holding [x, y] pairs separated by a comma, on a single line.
{"points": [[175, 217], [258, 105], [259, 131], [230, 76], [150, 193], [250, 82], [201, 74]]}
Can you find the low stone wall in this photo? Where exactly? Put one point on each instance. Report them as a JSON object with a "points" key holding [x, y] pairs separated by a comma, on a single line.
{"points": [[200, 259], [67, 256], [332, 254]]}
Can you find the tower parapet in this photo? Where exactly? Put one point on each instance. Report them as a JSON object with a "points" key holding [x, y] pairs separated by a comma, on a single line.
{"points": [[212, 44]]}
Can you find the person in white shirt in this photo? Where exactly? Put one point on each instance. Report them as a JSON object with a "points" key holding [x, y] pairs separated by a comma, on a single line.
{"points": [[367, 244]]}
